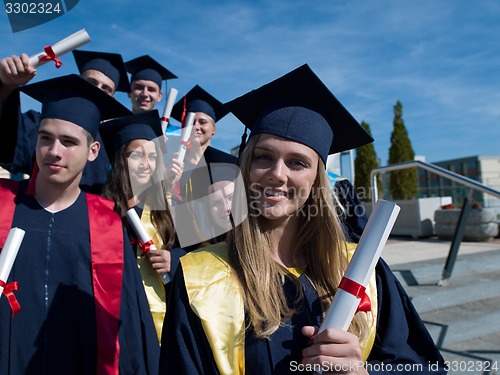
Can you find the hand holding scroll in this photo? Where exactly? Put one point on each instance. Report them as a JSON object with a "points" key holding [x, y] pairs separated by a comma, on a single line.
{"points": [[145, 242], [52, 53]]}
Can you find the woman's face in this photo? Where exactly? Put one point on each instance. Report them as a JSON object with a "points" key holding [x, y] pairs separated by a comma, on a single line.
{"points": [[220, 200], [204, 128], [141, 159], [282, 174]]}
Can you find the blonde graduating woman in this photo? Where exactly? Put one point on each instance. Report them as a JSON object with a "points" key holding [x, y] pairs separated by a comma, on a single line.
{"points": [[253, 305]]}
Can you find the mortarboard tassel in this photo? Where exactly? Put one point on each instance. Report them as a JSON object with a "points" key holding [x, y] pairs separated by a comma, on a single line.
{"points": [[183, 116], [242, 143]]}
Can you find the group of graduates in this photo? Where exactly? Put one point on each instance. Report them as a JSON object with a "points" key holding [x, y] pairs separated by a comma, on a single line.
{"points": [[242, 270]]}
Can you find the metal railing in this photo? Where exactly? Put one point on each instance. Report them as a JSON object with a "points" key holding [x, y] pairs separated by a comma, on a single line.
{"points": [[460, 228], [466, 181]]}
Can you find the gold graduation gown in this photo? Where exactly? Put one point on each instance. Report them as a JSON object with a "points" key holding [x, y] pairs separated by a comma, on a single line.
{"points": [[153, 284], [215, 297]]}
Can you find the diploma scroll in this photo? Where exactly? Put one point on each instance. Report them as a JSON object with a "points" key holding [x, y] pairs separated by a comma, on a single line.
{"points": [[8, 256], [169, 104], [62, 47], [143, 236], [363, 262], [186, 135]]}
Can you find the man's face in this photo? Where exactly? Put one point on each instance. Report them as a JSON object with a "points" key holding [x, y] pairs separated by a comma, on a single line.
{"points": [[144, 95], [62, 151], [100, 80]]}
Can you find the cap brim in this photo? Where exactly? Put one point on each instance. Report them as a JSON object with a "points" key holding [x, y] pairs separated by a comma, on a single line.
{"points": [[108, 106]]}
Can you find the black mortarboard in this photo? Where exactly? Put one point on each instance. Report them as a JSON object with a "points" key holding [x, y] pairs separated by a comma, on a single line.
{"points": [[223, 172], [119, 131], [198, 100], [192, 216], [298, 106], [214, 155], [204, 176], [146, 68], [110, 64], [73, 99]]}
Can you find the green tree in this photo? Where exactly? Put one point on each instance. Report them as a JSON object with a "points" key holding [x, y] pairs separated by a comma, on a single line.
{"points": [[403, 183], [365, 161]]}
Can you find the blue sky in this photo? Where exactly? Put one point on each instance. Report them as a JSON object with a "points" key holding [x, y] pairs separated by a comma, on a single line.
{"points": [[441, 59]]}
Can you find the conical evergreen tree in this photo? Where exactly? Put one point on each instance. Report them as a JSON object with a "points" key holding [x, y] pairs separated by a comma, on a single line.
{"points": [[403, 184], [364, 163]]}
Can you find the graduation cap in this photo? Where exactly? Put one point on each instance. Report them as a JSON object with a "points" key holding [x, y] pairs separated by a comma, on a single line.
{"points": [[194, 218], [202, 177], [119, 131], [110, 64], [299, 107], [73, 99], [146, 68], [198, 100]]}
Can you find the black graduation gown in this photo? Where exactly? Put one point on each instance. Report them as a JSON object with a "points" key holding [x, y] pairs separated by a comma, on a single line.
{"points": [[55, 331], [200, 178], [214, 155], [353, 216], [194, 183], [401, 336], [18, 141]]}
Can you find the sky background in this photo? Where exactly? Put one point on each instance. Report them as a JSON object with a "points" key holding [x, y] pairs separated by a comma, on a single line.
{"points": [[441, 59]]}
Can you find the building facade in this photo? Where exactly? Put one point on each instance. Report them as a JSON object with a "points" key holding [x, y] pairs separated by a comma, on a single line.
{"points": [[482, 168]]}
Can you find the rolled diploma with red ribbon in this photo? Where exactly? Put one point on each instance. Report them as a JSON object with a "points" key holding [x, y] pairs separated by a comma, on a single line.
{"points": [[186, 135], [9, 253], [169, 104], [142, 234], [62, 47], [361, 267]]}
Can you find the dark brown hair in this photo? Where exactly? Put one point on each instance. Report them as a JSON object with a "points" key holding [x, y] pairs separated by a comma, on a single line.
{"points": [[119, 190]]}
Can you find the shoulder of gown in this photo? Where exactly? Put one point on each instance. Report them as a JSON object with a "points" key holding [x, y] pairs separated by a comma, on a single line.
{"points": [[402, 337]]}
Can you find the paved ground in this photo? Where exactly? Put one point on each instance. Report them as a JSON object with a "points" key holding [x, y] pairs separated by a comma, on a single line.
{"points": [[463, 313]]}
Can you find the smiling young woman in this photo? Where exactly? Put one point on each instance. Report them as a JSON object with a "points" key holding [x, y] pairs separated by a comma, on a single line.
{"points": [[137, 180], [254, 304]]}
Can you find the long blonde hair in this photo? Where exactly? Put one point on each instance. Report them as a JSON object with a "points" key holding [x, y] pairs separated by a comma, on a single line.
{"points": [[320, 241]]}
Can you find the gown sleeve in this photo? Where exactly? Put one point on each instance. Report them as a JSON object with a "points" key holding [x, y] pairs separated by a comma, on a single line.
{"points": [[19, 136], [139, 348], [353, 216], [184, 346], [175, 254], [402, 341]]}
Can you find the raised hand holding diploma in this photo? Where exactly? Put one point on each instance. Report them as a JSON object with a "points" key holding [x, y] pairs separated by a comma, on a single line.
{"points": [[62, 47], [146, 243], [186, 135], [358, 273], [7, 257], [169, 104]]}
